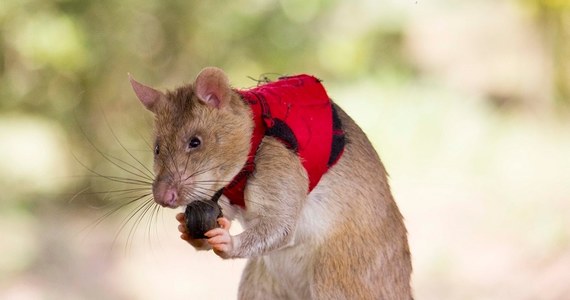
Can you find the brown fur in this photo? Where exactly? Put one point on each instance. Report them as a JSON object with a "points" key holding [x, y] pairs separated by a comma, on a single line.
{"points": [[345, 240], [372, 230]]}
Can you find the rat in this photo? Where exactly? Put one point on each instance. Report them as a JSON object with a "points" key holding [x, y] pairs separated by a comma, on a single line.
{"points": [[333, 233]]}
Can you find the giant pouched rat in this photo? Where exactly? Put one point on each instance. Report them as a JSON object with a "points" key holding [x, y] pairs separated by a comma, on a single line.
{"points": [[340, 237]]}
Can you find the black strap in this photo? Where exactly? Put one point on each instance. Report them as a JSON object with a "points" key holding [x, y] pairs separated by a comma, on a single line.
{"points": [[217, 195]]}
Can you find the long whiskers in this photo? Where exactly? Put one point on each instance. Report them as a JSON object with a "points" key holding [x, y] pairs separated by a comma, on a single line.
{"points": [[149, 173], [135, 190], [115, 161], [140, 207], [143, 181]]}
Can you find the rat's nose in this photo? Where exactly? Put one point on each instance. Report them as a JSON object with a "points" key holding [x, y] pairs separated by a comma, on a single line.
{"points": [[165, 195], [169, 198]]}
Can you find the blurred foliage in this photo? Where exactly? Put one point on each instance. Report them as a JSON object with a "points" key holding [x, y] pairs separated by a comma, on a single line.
{"points": [[554, 19], [59, 55]]}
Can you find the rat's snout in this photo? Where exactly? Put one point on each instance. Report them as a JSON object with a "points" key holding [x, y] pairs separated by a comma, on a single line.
{"points": [[165, 194]]}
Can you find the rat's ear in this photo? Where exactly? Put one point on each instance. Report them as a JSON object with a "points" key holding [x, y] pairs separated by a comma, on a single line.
{"points": [[148, 96], [212, 87]]}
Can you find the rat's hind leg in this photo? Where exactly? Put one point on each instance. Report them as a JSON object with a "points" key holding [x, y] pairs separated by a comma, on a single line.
{"points": [[258, 283]]}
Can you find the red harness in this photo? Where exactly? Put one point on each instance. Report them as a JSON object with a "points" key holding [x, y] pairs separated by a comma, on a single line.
{"points": [[297, 111]]}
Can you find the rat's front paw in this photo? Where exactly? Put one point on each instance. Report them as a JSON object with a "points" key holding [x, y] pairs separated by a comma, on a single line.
{"points": [[220, 238]]}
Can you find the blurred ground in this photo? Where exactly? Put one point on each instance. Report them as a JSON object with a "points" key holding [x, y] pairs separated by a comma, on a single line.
{"points": [[466, 102]]}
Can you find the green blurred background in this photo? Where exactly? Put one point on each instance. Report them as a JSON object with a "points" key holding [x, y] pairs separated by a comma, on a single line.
{"points": [[466, 101]]}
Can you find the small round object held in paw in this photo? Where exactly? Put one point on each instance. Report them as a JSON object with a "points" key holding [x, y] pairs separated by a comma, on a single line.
{"points": [[202, 216]]}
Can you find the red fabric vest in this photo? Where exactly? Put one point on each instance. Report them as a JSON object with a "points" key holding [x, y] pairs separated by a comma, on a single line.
{"points": [[297, 111]]}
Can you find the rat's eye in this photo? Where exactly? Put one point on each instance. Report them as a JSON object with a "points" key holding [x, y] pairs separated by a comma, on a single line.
{"points": [[156, 149], [194, 143]]}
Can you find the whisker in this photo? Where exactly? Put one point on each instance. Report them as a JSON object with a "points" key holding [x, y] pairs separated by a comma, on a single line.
{"points": [[141, 215], [212, 185], [200, 193], [130, 200], [145, 141], [126, 180], [169, 152], [77, 195], [110, 158], [152, 220], [111, 178], [193, 194], [117, 192], [166, 165], [186, 165], [150, 174], [202, 171], [131, 215]]}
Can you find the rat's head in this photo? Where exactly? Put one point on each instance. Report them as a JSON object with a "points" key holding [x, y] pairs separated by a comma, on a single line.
{"points": [[201, 137]]}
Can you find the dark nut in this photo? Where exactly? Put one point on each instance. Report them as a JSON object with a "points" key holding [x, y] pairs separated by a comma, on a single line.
{"points": [[201, 216]]}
